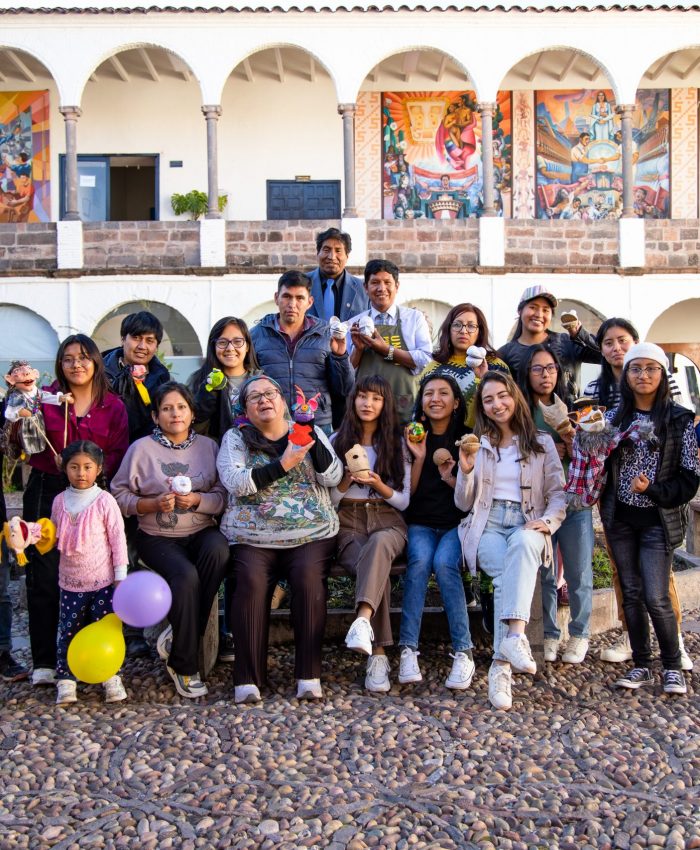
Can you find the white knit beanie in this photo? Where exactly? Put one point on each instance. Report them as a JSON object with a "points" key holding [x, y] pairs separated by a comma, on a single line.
{"points": [[648, 350]]}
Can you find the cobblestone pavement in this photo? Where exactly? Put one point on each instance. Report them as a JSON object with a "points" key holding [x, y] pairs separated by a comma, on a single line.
{"points": [[575, 765]]}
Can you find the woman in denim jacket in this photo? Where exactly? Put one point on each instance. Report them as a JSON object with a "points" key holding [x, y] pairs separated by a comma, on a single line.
{"points": [[513, 486]]}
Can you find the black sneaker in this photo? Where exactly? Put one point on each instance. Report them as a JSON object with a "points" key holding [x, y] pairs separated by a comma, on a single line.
{"points": [[674, 682], [11, 670], [136, 647], [226, 649], [636, 678]]}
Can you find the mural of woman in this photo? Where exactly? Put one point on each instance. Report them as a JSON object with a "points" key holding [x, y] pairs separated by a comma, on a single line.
{"points": [[602, 118]]}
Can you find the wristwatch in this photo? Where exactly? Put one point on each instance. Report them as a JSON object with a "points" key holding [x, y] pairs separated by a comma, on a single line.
{"points": [[390, 354]]}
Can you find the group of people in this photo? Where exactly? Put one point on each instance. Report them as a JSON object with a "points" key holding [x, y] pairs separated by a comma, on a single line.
{"points": [[447, 459]]}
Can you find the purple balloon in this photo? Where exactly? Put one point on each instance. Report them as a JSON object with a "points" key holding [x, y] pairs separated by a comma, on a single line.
{"points": [[143, 599]]}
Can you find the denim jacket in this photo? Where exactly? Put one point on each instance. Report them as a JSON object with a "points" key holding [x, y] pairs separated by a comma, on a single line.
{"points": [[542, 489]]}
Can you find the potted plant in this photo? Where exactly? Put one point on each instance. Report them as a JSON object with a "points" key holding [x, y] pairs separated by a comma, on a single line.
{"points": [[195, 203]]}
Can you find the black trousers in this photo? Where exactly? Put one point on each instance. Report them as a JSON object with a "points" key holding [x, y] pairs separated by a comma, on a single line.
{"points": [[256, 572], [43, 595], [194, 567]]}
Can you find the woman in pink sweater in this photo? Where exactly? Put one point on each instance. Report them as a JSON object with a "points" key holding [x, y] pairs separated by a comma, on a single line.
{"points": [[169, 481], [93, 559]]}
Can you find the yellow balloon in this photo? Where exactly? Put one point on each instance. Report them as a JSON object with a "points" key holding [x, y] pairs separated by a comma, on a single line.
{"points": [[97, 652]]}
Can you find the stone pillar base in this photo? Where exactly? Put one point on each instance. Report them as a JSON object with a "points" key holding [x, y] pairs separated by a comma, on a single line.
{"points": [[69, 244], [212, 242], [357, 228], [631, 243], [492, 241]]}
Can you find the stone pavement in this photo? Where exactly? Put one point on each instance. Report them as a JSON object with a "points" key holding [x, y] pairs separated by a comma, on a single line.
{"points": [[575, 765]]}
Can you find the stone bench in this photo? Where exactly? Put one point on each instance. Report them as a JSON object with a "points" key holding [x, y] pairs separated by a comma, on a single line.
{"points": [[692, 538]]}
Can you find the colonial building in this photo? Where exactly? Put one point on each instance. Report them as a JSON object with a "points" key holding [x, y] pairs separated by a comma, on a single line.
{"points": [[368, 116]]}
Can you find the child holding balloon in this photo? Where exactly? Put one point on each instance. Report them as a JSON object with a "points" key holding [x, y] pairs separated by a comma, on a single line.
{"points": [[93, 558]]}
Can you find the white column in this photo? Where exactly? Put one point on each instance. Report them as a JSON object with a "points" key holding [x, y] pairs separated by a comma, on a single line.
{"points": [[347, 110], [70, 116]]}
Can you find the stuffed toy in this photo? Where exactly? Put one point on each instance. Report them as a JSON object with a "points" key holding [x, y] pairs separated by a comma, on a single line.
{"points": [[358, 462], [19, 534], [24, 432], [415, 432], [441, 456], [596, 438], [556, 415], [338, 329], [181, 485], [475, 356], [303, 412], [469, 444], [216, 380], [569, 319], [366, 325], [138, 373]]}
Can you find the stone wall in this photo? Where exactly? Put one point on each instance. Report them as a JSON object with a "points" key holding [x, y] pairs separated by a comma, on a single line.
{"points": [[144, 245], [425, 245], [273, 246], [27, 248], [672, 244], [562, 246]]}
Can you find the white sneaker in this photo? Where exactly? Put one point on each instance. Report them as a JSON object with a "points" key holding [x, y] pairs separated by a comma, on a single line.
{"points": [[66, 691], [114, 690], [377, 678], [246, 693], [309, 689], [164, 644], [517, 650], [686, 660], [462, 672], [409, 671], [44, 676], [360, 636], [551, 648], [575, 650], [500, 679], [618, 653]]}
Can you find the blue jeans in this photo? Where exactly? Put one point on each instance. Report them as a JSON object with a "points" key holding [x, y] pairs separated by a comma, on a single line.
{"points": [[511, 555], [575, 537], [644, 568], [5, 604], [434, 550]]}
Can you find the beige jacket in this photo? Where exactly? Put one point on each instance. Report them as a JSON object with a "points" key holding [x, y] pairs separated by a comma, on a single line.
{"points": [[542, 487]]}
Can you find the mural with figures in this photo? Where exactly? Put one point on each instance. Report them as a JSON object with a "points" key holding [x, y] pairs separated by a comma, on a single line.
{"points": [[579, 155], [24, 156], [432, 155]]}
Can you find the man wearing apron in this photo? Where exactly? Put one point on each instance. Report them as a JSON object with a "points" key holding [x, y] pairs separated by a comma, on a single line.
{"points": [[400, 346]]}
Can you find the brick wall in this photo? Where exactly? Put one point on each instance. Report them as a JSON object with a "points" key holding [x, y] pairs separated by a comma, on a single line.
{"points": [[425, 245], [273, 246], [672, 244], [562, 245], [27, 248], [143, 245]]}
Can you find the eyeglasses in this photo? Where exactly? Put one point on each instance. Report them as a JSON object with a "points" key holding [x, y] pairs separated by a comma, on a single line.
{"points": [[467, 326], [550, 369], [256, 398], [76, 361], [222, 343], [638, 371]]}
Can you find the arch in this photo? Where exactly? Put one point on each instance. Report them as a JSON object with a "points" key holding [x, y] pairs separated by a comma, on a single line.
{"points": [[180, 348], [590, 317], [43, 60], [678, 323], [657, 58], [99, 59], [550, 48], [253, 316], [434, 311], [26, 335], [383, 54]]}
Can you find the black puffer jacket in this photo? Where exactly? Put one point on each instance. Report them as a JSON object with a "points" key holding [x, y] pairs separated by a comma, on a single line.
{"points": [[313, 367], [673, 487], [140, 420]]}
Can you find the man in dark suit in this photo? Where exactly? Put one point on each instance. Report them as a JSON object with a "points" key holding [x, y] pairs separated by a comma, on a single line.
{"points": [[335, 291]]}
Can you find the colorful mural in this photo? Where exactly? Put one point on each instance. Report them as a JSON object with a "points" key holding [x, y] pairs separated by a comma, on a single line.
{"points": [[432, 155], [24, 156], [579, 155]]}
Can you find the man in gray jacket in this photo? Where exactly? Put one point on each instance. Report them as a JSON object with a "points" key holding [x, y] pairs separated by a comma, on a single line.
{"points": [[334, 290], [297, 349]]}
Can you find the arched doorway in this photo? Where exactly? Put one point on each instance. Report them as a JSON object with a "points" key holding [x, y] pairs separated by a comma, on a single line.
{"points": [[676, 331], [24, 335]]}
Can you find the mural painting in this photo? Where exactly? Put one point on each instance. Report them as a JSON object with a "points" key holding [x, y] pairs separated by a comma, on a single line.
{"points": [[24, 156], [432, 155], [579, 155]]}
